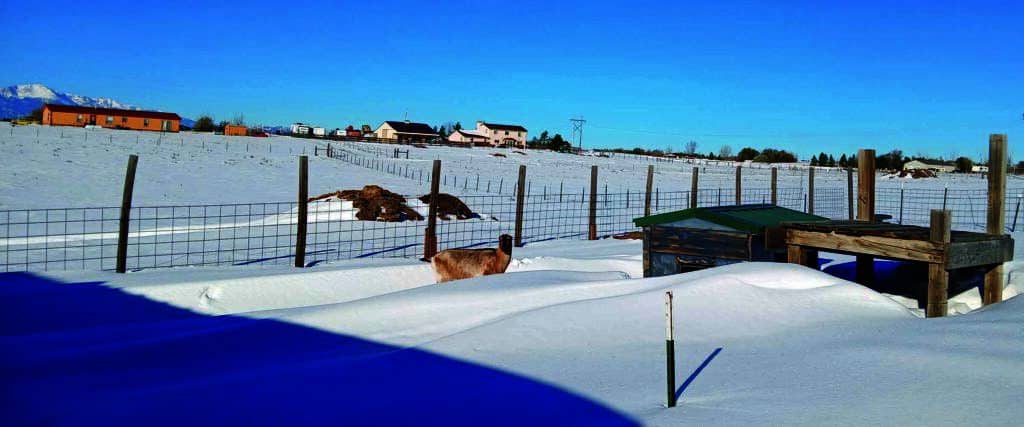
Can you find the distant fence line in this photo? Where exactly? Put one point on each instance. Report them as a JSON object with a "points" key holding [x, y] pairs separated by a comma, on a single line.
{"points": [[266, 233]]}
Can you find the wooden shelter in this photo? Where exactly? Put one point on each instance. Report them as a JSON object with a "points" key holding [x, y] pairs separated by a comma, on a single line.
{"points": [[699, 238]]}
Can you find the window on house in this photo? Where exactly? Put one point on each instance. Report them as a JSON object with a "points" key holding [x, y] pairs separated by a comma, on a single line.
{"points": [[506, 132], [79, 118], [110, 120], [145, 122], [124, 120]]}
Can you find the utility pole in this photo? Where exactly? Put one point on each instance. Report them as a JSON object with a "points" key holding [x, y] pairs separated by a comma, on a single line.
{"points": [[577, 132]]}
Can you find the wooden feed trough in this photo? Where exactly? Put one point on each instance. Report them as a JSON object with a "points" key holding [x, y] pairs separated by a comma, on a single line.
{"points": [[942, 249], [699, 238]]}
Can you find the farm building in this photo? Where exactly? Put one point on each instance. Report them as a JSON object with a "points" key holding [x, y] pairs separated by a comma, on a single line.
{"points": [[919, 165], [301, 129], [699, 238], [406, 131], [503, 135], [73, 115], [468, 137], [234, 130], [319, 131]]}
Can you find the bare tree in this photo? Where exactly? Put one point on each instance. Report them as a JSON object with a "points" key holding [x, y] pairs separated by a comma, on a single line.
{"points": [[725, 152], [691, 148], [239, 119]]}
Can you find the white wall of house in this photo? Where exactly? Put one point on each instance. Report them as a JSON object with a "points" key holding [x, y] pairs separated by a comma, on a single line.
{"points": [[498, 136]]}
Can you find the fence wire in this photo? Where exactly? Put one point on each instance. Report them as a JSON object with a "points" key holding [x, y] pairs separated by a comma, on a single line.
{"points": [[265, 233]]}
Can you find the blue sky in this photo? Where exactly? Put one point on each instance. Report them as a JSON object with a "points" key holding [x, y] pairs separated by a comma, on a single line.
{"points": [[928, 77]]}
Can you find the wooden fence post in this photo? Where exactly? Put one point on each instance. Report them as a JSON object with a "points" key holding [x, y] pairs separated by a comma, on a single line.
{"points": [[775, 186], [996, 223], [866, 209], [126, 209], [810, 190], [938, 277], [849, 193], [592, 229], [670, 354], [300, 231], [647, 196], [520, 202], [739, 185], [430, 237], [693, 187]]}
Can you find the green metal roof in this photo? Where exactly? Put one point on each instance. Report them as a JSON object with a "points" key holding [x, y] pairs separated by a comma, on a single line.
{"points": [[750, 218]]}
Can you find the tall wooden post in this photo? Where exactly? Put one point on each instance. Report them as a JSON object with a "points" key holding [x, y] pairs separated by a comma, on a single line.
{"points": [[520, 202], [739, 185], [775, 186], [300, 231], [810, 190], [126, 209], [430, 237], [592, 229], [693, 187], [670, 354], [996, 223], [938, 277], [849, 193], [866, 210], [647, 196]]}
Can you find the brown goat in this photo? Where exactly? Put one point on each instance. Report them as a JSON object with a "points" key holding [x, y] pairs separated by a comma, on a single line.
{"points": [[455, 264]]}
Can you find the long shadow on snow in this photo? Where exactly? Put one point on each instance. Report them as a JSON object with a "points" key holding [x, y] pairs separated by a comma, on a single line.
{"points": [[86, 354]]}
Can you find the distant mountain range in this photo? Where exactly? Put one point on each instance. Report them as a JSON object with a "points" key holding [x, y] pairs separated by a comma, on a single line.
{"points": [[19, 100]]}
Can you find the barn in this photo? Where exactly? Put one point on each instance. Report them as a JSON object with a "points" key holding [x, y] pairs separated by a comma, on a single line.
{"points": [[235, 130], [113, 118]]}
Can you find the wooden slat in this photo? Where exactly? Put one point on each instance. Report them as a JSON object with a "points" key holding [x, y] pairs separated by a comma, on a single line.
{"points": [[709, 243], [978, 253], [996, 218], [911, 250]]}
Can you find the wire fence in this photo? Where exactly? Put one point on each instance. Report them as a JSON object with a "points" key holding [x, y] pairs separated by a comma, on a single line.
{"points": [[265, 233]]}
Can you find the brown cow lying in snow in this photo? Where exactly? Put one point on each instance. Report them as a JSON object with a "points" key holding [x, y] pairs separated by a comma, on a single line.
{"points": [[455, 264]]}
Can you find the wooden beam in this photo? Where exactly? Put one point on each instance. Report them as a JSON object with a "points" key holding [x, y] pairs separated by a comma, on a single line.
{"points": [[430, 237], [794, 254], [938, 277], [126, 210], [866, 210], [993, 290], [886, 247], [650, 185], [775, 186], [810, 190], [849, 193], [301, 225], [520, 204], [693, 187], [866, 185], [739, 185]]}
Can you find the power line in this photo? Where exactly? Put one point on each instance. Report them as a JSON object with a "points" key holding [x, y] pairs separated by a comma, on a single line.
{"points": [[577, 132]]}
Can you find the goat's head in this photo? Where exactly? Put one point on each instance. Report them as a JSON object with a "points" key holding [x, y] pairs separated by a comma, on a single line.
{"points": [[505, 243]]}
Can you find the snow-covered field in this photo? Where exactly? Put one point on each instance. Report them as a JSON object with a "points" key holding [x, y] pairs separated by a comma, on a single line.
{"points": [[203, 199], [570, 336]]}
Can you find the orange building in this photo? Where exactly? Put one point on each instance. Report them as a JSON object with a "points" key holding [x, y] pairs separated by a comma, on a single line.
{"points": [[73, 115], [235, 130]]}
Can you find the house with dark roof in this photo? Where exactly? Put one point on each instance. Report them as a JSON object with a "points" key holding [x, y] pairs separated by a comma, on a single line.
{"points": [[74, 115], [406, 131], [500, 135]]}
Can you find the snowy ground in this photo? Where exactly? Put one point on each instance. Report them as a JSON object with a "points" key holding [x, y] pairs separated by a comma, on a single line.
{"points": [[570, 335]]}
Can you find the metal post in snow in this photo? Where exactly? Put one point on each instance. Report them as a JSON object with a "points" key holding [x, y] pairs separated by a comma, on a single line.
{"points": [[901, 205], [670, 354], [945, 196]]}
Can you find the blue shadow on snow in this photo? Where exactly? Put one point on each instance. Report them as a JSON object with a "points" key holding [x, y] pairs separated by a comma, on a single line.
{"points": [[87, 354]]}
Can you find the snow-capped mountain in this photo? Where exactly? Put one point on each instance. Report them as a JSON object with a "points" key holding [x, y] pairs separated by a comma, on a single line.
{"points": [[20, 100]]}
